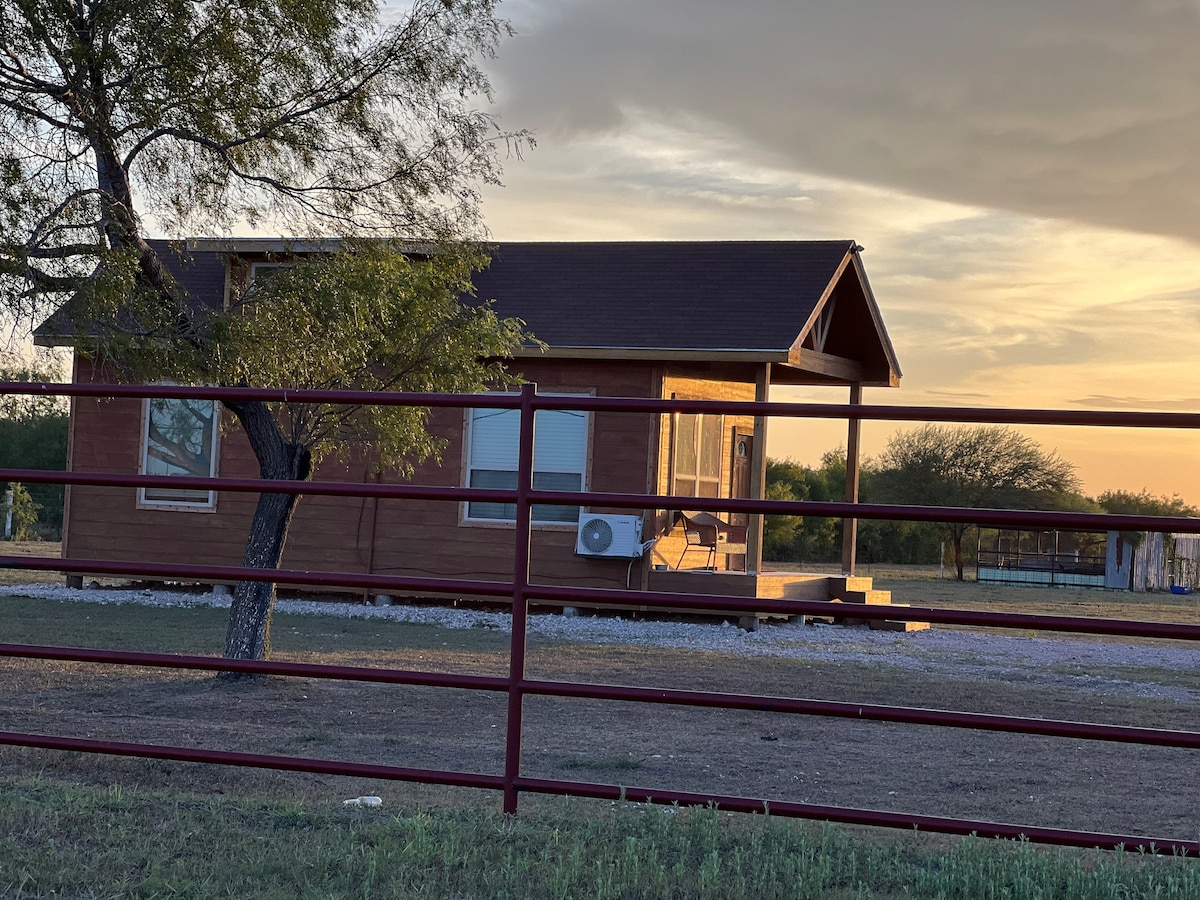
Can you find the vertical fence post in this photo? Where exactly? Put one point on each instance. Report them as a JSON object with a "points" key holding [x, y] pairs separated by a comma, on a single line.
{"points": [[853, 467], [520, 602]]}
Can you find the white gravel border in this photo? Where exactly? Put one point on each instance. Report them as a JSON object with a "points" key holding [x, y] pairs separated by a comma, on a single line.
{"points": [[1027, 659]]}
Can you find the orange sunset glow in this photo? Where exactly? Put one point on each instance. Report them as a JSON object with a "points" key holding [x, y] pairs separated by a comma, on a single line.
{"points": [[1025, 184]]}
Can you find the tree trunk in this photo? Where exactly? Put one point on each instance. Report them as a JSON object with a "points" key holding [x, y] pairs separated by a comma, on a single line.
{"points": [[249, 633], [958, 557]]}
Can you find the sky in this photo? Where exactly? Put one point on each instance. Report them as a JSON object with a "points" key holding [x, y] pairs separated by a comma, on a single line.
{"points": [[1024, 177]]}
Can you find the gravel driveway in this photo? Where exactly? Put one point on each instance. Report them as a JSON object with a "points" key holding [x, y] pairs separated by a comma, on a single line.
{"points": [[1107, 667]]}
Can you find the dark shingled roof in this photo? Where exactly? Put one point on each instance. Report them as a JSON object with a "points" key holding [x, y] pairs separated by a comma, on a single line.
{"points": [[750, 300], [202, 273], [752, 295]]}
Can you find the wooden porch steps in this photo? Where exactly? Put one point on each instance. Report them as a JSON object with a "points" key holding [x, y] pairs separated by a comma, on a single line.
{"points": [[859, 590], [839, 584], [851, 591], [870, 598], [896, 624]]}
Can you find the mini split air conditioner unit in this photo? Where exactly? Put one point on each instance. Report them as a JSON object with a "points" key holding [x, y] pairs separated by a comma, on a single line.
{"points": [[619, 536]]}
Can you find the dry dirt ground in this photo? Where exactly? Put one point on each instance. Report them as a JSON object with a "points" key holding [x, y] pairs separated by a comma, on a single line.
{"points": [[920, 769], [1029, 780]]}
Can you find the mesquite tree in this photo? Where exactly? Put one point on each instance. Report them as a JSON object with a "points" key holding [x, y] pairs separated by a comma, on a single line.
{"points": [[308, 117], [979, 466]]}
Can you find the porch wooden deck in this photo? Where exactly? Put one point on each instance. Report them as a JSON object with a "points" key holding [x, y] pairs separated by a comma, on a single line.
{"points": [[836, 589], [769, 586]]}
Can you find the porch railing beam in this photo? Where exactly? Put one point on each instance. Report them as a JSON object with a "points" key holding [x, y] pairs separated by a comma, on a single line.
{"points": [[758, 474], [853, 467]]}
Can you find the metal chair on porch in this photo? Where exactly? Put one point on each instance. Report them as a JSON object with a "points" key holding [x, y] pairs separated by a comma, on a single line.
{"points": [[704, 531]]}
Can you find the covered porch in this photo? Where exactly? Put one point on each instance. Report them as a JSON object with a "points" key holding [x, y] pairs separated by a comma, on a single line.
{"points": [[841, 343]]}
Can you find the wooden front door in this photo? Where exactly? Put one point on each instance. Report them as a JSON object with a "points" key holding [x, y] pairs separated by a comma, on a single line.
{"points": [[739, 486]]}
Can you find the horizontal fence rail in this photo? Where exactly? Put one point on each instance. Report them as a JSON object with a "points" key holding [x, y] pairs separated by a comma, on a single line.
{"points": [[519, 592], [863, 411], [579, 596], [1067, 521], [1158, 737]]}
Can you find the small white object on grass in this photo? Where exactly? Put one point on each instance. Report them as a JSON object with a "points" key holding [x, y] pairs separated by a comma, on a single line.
{"points": [[363, 801]]}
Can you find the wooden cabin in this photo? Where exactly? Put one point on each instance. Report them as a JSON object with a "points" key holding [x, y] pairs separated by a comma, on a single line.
{"points": [[688, 320]]}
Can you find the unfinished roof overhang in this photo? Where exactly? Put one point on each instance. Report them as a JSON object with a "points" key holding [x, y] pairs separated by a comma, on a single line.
{"points": [[844, 340], [805, 307]]}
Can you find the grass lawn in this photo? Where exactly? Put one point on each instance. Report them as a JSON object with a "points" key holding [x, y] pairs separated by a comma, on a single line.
{"points": [[922, 586], [1055, 601], [68, 841], [93, 826], [28, 548]]}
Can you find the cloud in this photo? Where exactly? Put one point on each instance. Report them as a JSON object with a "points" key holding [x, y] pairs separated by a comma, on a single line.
{"points": [[1010, 310], [1079, 109], [1095, 401], [997, 161]]}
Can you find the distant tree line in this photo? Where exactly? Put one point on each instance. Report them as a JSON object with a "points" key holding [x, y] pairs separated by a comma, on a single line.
{"points": [[33, 435], [814, 539], [935, 465]]}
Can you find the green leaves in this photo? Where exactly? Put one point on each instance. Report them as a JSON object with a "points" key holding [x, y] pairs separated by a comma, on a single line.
{"points": [[369, 317], [33, 435], [1145, 504], [301, 116], [201, 116], [21, 511], [977, 466], [981, 466], [34, 406]]}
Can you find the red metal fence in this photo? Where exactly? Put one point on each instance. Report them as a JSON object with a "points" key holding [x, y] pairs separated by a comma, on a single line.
{"points": [[520, 592]]}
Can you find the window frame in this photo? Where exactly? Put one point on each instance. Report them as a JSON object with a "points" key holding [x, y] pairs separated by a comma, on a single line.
{"points": [[566, 522], [701, 423], [179, 502], [256, 267]]}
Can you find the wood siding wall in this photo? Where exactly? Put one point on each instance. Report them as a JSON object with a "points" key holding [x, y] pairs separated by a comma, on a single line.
{"points": [[362, 535]]}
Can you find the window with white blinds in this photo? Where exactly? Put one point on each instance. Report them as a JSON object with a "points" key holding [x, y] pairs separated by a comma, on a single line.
{"points": [[559, 459]]}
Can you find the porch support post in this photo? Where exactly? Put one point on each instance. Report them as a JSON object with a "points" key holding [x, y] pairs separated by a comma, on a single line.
{"points": [[758, 474], [850, 526]]}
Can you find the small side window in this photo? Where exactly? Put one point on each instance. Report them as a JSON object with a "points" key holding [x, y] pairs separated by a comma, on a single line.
{"points": [[179, 437]]}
